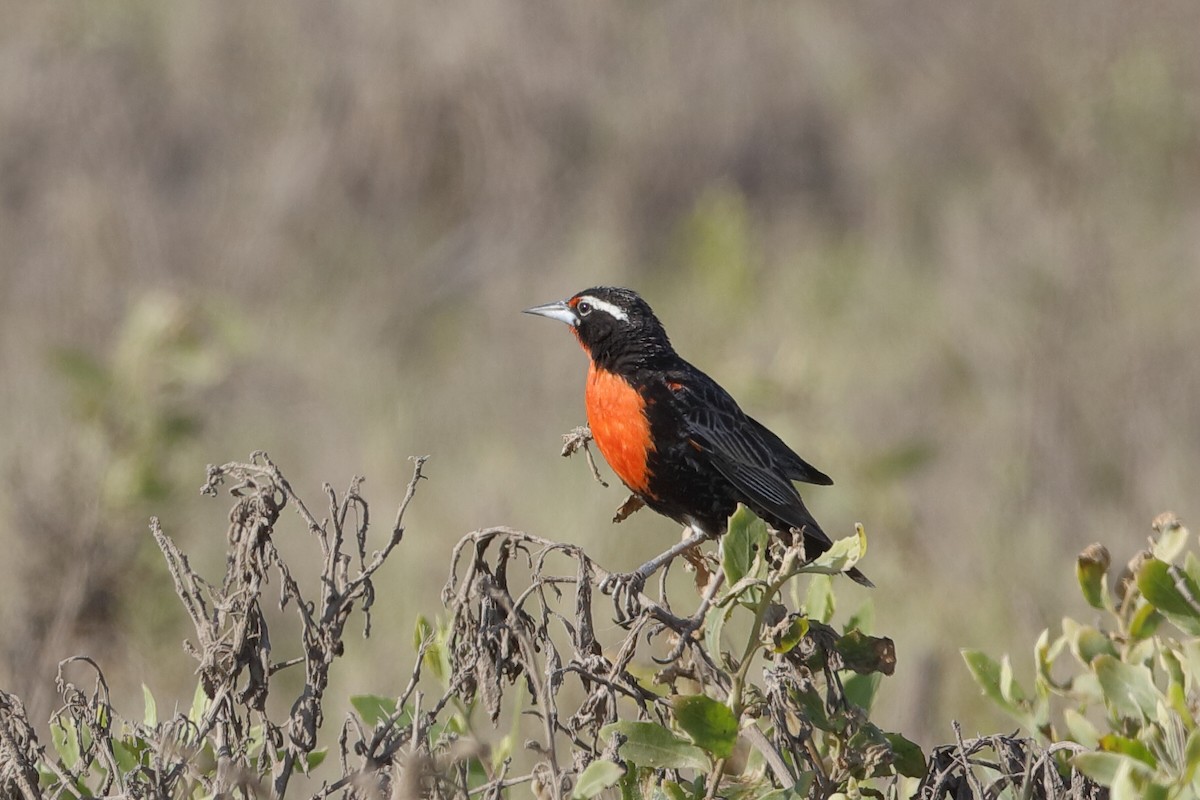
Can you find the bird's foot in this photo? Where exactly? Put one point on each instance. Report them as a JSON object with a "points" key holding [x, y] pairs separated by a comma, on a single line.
{"points": [[626, 590]]}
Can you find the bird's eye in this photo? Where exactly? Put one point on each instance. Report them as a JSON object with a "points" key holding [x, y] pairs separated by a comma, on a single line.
{"points": [[584, 308]]}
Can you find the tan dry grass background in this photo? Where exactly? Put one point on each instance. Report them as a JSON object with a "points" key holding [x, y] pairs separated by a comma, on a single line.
{"points": [[951, 252]]}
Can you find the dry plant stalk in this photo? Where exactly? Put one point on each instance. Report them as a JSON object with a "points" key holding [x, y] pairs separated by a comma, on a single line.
{"points": [[234, 647], [18, 750], [255, 755]]}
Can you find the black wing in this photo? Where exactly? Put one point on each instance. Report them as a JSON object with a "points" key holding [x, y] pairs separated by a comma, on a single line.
{"points": [[755, 461], [797, 468]]}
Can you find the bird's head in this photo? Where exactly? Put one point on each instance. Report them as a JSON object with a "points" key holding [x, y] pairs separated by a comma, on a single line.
{"points": [[615, 326]]}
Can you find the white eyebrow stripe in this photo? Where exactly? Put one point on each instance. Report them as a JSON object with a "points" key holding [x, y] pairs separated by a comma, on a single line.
{"points": [[611, 309]]}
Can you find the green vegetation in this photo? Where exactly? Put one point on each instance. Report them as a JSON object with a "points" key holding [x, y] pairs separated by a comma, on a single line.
{"points": [[1129, 702]]}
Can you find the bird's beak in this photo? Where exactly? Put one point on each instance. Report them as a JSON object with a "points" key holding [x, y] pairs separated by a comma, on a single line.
{"points": [[559, 311]]}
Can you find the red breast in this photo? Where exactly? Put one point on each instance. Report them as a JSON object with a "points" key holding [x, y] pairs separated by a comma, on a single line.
{"points": [[617, 416]]}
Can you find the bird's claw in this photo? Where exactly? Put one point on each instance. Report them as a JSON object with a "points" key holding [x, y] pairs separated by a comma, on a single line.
{"points": [[626, 589]]}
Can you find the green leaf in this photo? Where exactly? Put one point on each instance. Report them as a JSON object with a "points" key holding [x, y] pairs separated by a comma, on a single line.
{"points": [[1173, 592], [812, 707], [1191, 565], [842, 554], [782, 641], [1176, 692], [1103, 768], [1081, 729], [1085, 688], [1191, 755], [1190, 656], [671, 790], [1091, 568], [1009, 687], [1142, 652], [151, 714], [598, 776], [314, 759], [743, 541], [798, 791], [1128, 688], [863, 619], [714, 625], [1145, 622], [1112, 743], [66, 742], [819, 601], [1152, 791], [1045, 652], [1086, 642], [46, 776], [199, 703], [860, 690], [907, 758], [994, 678], [125, 755], [649, 744], [85, 740], [1170, 541], [747, 592], [710, 724], [986, 672], [372, 708], [1168, 587]]}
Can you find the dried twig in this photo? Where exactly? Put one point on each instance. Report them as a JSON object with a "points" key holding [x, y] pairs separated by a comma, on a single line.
{"points": [[578, 439], [961, 769], [19, 751]]}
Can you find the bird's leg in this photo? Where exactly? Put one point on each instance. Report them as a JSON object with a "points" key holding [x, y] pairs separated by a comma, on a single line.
{"points": [[626, 586]]}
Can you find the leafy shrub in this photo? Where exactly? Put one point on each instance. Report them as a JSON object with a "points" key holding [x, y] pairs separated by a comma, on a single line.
{"points": [[1120, 694], [756, 694]]}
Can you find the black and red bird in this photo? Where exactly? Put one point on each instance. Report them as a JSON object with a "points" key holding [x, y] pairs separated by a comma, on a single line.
{"points": [[672, 434]]}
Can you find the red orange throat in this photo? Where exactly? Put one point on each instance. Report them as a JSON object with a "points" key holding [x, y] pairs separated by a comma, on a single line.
{"points": [[617, 416]]}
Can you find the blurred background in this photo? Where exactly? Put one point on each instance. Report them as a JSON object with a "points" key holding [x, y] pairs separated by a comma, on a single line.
{"points": [[950, 252]]}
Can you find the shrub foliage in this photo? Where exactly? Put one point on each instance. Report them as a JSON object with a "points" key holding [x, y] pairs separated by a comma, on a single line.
{"points": [[757, 692]]}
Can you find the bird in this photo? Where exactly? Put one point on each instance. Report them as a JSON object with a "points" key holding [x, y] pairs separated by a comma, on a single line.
{"points": [[677, 439]]}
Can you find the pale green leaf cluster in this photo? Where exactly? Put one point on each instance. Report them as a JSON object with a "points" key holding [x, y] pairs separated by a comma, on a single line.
{"points": [[1126, 685]]}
